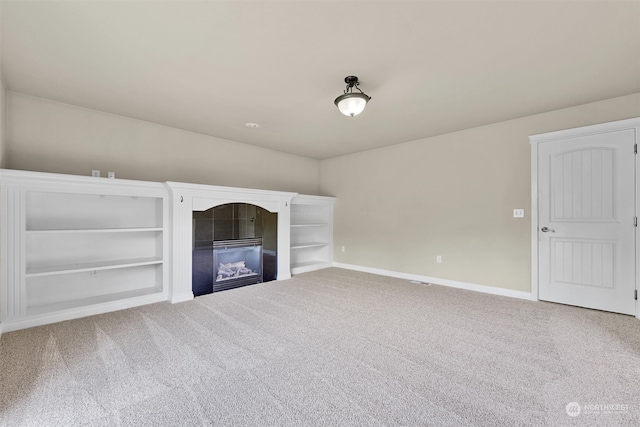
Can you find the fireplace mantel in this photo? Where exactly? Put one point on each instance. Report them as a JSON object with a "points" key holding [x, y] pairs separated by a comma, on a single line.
{"points": [[186, 198]]}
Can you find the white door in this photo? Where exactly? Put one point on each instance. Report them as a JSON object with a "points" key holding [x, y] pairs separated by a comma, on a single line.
{"points": [[586, 222]]}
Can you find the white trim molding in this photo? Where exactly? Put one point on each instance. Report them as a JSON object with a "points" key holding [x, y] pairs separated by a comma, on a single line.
{"points": [[534, 220], [437, 281], [75, 313], [585, 130]]}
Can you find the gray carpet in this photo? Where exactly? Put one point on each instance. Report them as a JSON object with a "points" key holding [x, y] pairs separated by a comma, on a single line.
{"points": [[327, 348]]}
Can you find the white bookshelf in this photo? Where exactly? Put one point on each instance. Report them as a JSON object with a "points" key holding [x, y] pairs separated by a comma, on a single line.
{"points": [[311, 233], [79, 245]]}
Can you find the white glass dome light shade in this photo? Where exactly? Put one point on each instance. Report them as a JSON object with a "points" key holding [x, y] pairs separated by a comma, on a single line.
{"points": [[352, 104]]}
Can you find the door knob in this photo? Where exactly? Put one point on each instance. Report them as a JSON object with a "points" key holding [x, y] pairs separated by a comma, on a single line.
{"points": [[547, 229]]}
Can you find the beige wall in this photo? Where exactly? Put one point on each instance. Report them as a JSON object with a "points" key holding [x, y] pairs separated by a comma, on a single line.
{"points": [[397, 208], [48, 136], [450, 195]]}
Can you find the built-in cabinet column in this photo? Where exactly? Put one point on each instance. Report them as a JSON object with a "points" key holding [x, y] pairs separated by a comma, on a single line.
{"points": [[73, 246], [181, 246]]}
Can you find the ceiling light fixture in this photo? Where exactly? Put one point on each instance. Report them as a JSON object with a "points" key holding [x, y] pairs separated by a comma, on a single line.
{"points": [[351, 103]]}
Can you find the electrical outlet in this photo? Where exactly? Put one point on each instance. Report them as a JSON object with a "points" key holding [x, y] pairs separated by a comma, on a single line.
{"points": [[95, 173], [111, 175], [518, 213], [343, 249], [438, 259]]}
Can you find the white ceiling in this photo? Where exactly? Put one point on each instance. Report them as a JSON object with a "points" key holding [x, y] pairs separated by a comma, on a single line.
{"points": [[431, 67]]}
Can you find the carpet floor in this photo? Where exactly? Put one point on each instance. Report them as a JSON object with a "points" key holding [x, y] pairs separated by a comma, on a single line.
{"points": [[327, 348]]}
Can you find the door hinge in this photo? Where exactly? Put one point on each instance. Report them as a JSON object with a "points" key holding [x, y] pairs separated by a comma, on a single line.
{"points": [[635, 148], [635, 222], [635, 294]]}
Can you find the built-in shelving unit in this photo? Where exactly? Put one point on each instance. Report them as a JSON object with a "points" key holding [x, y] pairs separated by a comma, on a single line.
{"points": [[311, 233], [91, 266], [79, 245], [74, 246]]}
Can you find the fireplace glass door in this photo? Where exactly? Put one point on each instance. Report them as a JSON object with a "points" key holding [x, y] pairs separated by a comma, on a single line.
{"points": [[237, 263], [233, 245]]}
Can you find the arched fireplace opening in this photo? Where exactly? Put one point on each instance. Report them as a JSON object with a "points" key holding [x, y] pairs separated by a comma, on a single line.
{"points": [[234, 245]]}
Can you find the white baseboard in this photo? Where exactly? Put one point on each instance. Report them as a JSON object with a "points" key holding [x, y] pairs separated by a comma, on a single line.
{"points": [[436, 281], [75, 313], [284, 276], [311, 267], [181, 297]]}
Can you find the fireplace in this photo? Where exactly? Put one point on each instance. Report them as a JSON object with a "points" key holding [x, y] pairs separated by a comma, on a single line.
{"points": [[192, 245], [234, 244], [237, 263]]}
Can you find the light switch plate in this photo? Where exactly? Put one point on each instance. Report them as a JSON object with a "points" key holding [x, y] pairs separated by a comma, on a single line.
{"points": [[518, 213]]}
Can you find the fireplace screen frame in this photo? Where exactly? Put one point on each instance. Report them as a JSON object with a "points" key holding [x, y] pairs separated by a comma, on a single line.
{"points": [[223, 252]]}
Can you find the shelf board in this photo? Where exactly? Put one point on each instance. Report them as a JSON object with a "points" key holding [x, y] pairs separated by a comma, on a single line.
{"points": [[91, 266], [324, 224], [309, 245], [84, 302], [97, 230], [309, 263]]}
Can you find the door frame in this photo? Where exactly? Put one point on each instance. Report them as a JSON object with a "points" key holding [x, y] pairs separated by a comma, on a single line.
{"points": [[534, 140]]}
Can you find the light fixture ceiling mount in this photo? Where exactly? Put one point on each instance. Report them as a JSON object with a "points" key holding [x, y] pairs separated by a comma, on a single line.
{"points": [[352, 103]]}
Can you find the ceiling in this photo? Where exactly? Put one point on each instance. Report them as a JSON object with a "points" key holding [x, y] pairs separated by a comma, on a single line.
{"points": [[431, 67]]}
